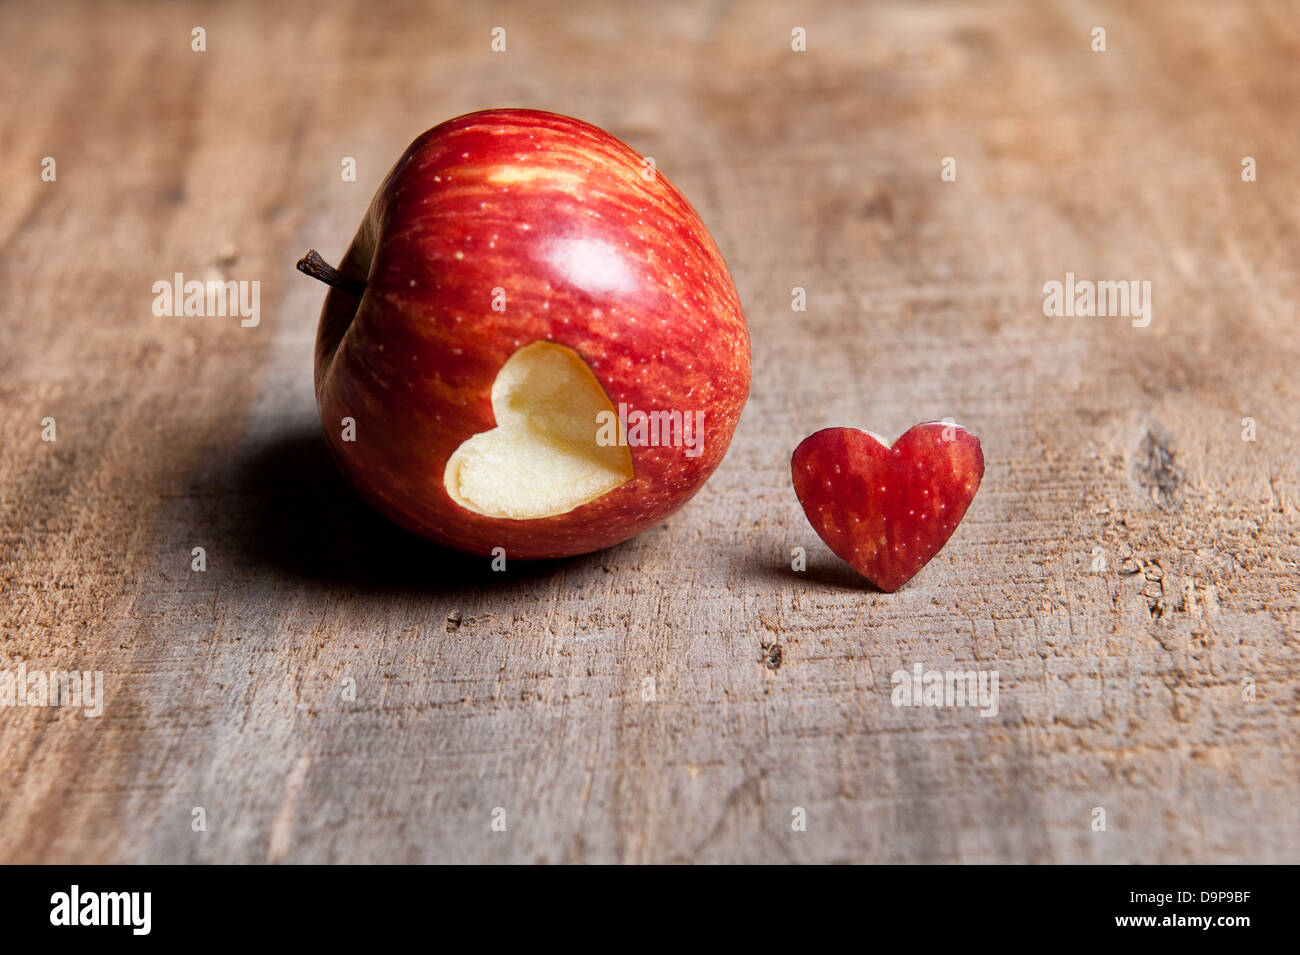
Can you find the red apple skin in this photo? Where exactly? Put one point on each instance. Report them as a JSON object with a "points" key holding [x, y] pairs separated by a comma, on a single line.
{"points": [[887, 510], [591, 255]]}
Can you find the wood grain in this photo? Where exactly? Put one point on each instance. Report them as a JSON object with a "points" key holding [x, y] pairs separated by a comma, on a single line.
{"points": [[1121, 687]]}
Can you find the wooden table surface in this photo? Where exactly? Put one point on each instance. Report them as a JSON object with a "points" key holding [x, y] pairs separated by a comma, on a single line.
{"points": [[332, 690]]}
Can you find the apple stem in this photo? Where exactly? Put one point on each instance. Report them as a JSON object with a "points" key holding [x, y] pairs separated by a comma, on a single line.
{"points": [[312, 264]]}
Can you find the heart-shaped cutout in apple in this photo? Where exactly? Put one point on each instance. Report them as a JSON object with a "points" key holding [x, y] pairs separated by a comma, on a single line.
{"points": [[887, 509], [542, 459]]}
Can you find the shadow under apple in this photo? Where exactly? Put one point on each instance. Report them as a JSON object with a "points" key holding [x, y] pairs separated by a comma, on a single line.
{"points": [[298, 516]]}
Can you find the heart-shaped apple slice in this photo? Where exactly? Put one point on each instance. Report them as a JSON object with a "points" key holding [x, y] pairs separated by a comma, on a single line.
{"points": [[543, 457], [887, 509]]}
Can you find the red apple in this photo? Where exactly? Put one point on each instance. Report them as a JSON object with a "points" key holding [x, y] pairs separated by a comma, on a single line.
{"points": [[887, 509], [520, 279]]}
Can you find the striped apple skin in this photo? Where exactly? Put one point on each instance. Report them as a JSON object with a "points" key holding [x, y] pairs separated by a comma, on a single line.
{"points": [[887, 509], [590, 252]]}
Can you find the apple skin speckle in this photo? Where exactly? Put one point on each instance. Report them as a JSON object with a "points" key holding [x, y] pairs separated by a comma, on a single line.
{"points": [[861, 496]]}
